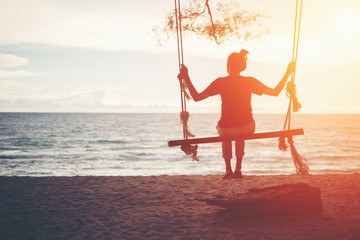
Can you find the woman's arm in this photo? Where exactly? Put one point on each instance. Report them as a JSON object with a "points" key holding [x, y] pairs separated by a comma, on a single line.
{"points": [[280, 86], [193, 92]]}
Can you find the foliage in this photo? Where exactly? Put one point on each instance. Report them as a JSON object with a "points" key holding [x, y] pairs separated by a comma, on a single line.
{"points": [[227, 22]]}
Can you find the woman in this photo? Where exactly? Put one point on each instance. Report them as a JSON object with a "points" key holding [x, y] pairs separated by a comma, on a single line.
{"points": [[236, 112]]}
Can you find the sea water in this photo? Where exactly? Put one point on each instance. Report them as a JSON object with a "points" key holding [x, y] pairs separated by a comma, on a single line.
{"points": [[121, 144]]}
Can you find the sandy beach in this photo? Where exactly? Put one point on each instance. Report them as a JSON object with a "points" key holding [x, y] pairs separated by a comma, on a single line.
{"points": [[164, 207]]}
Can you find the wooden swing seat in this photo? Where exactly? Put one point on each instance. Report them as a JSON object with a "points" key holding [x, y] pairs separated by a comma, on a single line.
{"points": [[258, 135]]}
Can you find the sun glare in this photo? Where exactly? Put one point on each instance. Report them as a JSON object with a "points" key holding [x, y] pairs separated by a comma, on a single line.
{"points": [[348, 22]]}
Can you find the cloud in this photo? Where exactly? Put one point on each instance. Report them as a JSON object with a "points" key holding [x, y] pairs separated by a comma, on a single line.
{"points": [[78, 100], [10, 61], [75, 100], [83, 97]]}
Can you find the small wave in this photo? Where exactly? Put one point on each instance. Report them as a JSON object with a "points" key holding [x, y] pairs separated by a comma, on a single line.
{"points": [[29, 142], [145, 154], [9, 149], [103, 141], [12, 157], [27, 158]]}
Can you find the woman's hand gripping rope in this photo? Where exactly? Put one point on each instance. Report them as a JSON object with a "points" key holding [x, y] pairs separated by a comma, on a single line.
{"points": [[291, 87]]}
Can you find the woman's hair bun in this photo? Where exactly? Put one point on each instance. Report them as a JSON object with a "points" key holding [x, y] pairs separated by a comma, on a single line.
{"points": [[243, 52]]}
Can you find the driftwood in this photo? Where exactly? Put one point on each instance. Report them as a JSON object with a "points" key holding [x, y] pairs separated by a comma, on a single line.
{"points": [[279, 200]]}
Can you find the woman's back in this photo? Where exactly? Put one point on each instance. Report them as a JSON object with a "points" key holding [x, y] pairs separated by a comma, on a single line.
{"points": [[235, 92]]}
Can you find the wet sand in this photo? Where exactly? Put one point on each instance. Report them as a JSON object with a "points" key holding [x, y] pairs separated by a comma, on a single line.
{"points": [[164, 207]]}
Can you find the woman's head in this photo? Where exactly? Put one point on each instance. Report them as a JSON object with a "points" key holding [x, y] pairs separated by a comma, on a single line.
{"points": [[236, 62]]}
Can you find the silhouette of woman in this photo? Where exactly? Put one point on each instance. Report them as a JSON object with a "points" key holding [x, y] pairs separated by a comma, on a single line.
{"points": [[236, 112]]}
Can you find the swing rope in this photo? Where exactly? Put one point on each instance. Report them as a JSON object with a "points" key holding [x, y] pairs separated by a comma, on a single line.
{"points": [[184, 95], [299, 162]]}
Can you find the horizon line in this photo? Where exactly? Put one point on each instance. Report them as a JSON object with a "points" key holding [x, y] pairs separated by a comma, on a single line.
{"points": [[137, 112]]}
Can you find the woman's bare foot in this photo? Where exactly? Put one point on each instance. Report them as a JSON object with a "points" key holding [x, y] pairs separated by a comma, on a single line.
{"points": [[228, 175], [237, 175]]}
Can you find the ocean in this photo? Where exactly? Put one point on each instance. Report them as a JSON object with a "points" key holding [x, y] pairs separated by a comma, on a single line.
{"points": [[133, 144]]}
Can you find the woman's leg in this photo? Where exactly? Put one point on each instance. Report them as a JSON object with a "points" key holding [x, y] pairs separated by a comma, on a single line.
{"points": [[227, 155], [239, 152]]}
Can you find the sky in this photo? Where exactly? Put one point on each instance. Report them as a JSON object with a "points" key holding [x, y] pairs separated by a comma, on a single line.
{"points": [[102, 56]]}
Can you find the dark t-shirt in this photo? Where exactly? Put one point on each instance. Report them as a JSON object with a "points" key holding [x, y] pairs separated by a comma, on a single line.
{"points": [[235, 95]]}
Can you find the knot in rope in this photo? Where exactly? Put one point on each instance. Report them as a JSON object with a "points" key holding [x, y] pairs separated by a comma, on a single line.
{"points": [[290, 140], [191, 150], [282, 144], [184, 118], [291, 93], [188, 149]]}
